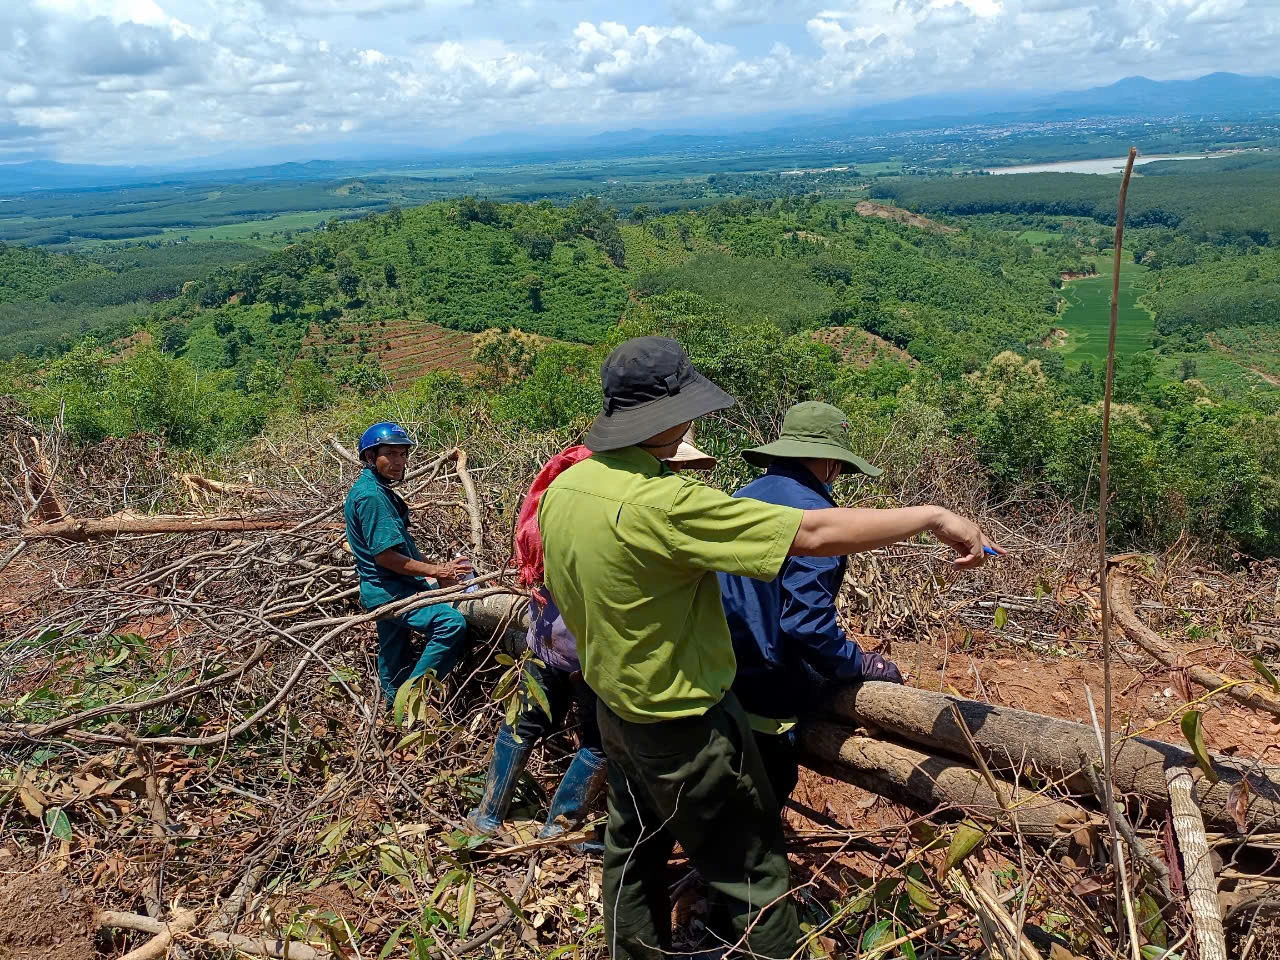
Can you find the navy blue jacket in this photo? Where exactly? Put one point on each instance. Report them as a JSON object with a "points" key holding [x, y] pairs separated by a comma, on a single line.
{"points": [[786, 627]]}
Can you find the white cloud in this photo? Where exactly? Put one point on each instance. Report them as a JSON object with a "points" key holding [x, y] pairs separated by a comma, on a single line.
{"points": [[117, 11], [21, 93], [152, 79], [649, 58], [733, 12], [354, 8]]}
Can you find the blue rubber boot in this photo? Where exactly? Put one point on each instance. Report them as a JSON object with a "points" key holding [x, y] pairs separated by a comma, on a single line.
{"points": [[509, 758], [580, 786]]}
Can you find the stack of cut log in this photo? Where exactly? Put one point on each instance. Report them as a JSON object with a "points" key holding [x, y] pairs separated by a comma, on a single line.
{"points": [[937, 769], [907, 744]]}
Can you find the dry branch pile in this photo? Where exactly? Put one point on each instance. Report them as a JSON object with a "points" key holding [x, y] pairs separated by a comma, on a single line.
{"points": [[190, 736]]}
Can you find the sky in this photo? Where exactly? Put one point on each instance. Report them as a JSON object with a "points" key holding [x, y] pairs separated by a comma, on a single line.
{"points": [[156, 81]]}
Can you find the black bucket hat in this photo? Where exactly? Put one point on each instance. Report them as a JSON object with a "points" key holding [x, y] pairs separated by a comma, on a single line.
{"points": [[649, 387]]}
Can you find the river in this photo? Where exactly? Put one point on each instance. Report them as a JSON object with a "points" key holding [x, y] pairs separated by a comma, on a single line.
{"points": [[1099, 166]]}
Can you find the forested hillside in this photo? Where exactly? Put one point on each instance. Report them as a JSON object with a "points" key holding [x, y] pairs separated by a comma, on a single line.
{"points": [[28, 273], [52, 299], [266, 338], [1203, 204]]}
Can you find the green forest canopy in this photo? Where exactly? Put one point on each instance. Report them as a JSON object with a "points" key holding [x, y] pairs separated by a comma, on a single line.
{"points": [[1211, 205], [742, 283]]}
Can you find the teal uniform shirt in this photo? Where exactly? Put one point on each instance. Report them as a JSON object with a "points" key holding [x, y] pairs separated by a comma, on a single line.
{"points": [[378, 519]]}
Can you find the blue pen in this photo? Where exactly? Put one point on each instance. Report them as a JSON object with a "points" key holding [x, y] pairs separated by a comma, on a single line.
{"points": [[988, 551]]}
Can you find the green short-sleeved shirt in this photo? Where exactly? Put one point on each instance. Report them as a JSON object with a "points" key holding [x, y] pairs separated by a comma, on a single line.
{"points": [[632, 550], [378, 519]]}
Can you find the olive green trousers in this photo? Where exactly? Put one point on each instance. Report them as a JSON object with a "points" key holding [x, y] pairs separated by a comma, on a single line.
{"points": [[700, 782]]}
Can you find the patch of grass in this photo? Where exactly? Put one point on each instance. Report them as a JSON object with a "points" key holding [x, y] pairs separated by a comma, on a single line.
{"points": [[1224, 376], [245, 231], [1088, 314], [1038, 236]]}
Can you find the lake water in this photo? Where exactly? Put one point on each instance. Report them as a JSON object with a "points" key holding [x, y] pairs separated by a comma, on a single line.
{"points": [[1100, 166]]}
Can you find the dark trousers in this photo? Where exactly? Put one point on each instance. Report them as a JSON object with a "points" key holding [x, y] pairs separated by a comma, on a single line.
{"points": [[698, 781], [427, 639], [781, 759], [563, 689]]}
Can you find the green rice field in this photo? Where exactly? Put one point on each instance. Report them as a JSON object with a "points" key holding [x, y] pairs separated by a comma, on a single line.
{"points": [[1088, 314]]}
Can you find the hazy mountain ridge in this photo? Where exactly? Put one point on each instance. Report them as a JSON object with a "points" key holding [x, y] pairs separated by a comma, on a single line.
{"points": [[1215, 94]]}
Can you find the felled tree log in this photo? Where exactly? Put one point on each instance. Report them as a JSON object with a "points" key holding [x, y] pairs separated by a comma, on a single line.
{"points": [[185, 920], [1249, 693], [1197, 867], [506, 611], [1012, 741], [163, 932], [926, 781], [124, 524], [201, 489]]}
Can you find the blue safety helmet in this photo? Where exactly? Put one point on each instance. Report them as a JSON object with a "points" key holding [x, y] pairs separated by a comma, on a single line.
{"points": [[391, 434]]}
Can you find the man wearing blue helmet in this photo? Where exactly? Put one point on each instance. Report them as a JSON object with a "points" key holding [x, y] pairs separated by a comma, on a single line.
{"points": [[392, 568]]}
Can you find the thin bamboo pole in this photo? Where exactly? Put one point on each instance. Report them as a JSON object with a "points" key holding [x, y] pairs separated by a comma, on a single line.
{"points": [[1108, 783]]}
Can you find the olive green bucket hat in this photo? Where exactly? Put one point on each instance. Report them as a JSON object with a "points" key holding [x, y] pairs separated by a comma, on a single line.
{"points": [[811, 430]]}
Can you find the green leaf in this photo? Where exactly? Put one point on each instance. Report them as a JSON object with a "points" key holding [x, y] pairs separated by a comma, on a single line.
{"points": [[1151, 921], [466, 906], [118, 659], [447, 881], [420, 737], [422, 947], [878, 933], [1194, 732], [392, 942], [402, 699], [504, 685], [457, 840], [1002, 617], [886, 888], [862, 903], [504, 659], [58, 823], [1265, 673], [907, 950], [918, 891], [1152, 952], [331, 837], [964, 841], [539, 695]]}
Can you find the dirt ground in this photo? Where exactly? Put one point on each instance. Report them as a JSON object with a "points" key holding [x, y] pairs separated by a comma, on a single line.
{"points": [[869, 208], [44, 918]]}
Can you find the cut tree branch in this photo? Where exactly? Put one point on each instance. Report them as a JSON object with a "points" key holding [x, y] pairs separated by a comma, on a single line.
{"points": [[129, 523], [1248, 693], [1197, 867]]}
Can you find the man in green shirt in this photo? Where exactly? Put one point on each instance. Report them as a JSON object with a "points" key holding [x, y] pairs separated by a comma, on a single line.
{"points": [[632, 550], [391, 567]]}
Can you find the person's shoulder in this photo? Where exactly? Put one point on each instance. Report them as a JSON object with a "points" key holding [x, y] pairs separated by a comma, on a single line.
{"points": [[782, 490], [363, 490]]}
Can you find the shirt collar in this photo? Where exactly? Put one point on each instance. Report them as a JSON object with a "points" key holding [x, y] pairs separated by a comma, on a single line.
{"points": [[372, 475], [800, 474], [635, 459]]}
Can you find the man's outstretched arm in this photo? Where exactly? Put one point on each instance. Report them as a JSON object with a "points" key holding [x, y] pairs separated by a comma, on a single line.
{"points": [[838, 531]]}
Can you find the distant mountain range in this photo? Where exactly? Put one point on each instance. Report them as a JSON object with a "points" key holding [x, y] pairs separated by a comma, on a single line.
{"points": [[1226, 95]]}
